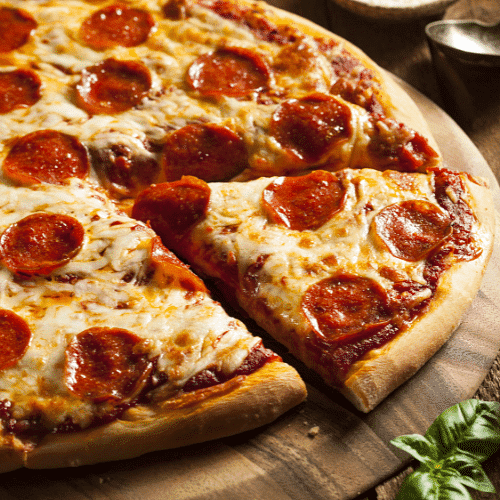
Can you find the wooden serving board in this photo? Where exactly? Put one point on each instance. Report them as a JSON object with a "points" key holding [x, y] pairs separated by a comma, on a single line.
{"points": [[323, 449]]}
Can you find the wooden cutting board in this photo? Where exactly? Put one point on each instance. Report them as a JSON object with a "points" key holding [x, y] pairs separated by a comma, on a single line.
{"points": [[322, 449]]}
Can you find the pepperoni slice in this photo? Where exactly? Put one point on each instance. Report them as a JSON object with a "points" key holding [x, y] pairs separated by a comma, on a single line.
{"points": [[305, 202], [112, 86], [105, 364], [416, 154], [412, 229], [171, 208], [18, 89], [207, 151], [169, 270], [40, 243], [16, 26], [46, 156], [15, 336], [311, 127], [449, 190], [345, 307], [116, 24], [231, 71]]}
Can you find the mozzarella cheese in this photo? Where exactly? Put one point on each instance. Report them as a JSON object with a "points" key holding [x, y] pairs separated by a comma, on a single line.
{"points": [[186, 332], [55, 52], [295, 260]]}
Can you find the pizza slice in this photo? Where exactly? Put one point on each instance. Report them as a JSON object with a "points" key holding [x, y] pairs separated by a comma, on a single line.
{"points": [[361, 274], [111, 347]]}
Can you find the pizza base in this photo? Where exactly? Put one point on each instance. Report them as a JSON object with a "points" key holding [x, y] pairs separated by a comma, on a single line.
{"points": [[240, 404], [373, 378]]}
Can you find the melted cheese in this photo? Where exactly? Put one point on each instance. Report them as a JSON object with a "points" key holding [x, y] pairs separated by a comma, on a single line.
{"points": [[186, 332], [295, 260], [57, 55]]}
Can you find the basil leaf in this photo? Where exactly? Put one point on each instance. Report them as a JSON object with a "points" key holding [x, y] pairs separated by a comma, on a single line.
{"points": [[426, 485], [451, 453], [471, 426], [416, 486], [418, 447], [469, 472]]}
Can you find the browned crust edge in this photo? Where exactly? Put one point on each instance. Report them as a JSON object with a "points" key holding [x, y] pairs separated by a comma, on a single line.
{"points": [[239, 405], [373, 378]]}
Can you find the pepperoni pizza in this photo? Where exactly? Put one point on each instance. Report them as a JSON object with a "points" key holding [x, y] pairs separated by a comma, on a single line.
{"points": [[266, 152]]}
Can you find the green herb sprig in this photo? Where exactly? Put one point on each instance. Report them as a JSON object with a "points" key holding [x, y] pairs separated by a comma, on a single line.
{"points": [[451, 452]]}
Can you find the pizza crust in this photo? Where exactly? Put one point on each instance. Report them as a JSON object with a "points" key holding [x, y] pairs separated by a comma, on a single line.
{"points": [[240, 404], [373, 378]]}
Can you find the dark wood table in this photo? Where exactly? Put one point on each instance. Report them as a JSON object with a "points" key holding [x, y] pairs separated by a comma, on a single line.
{"points": [[471, 96]]}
